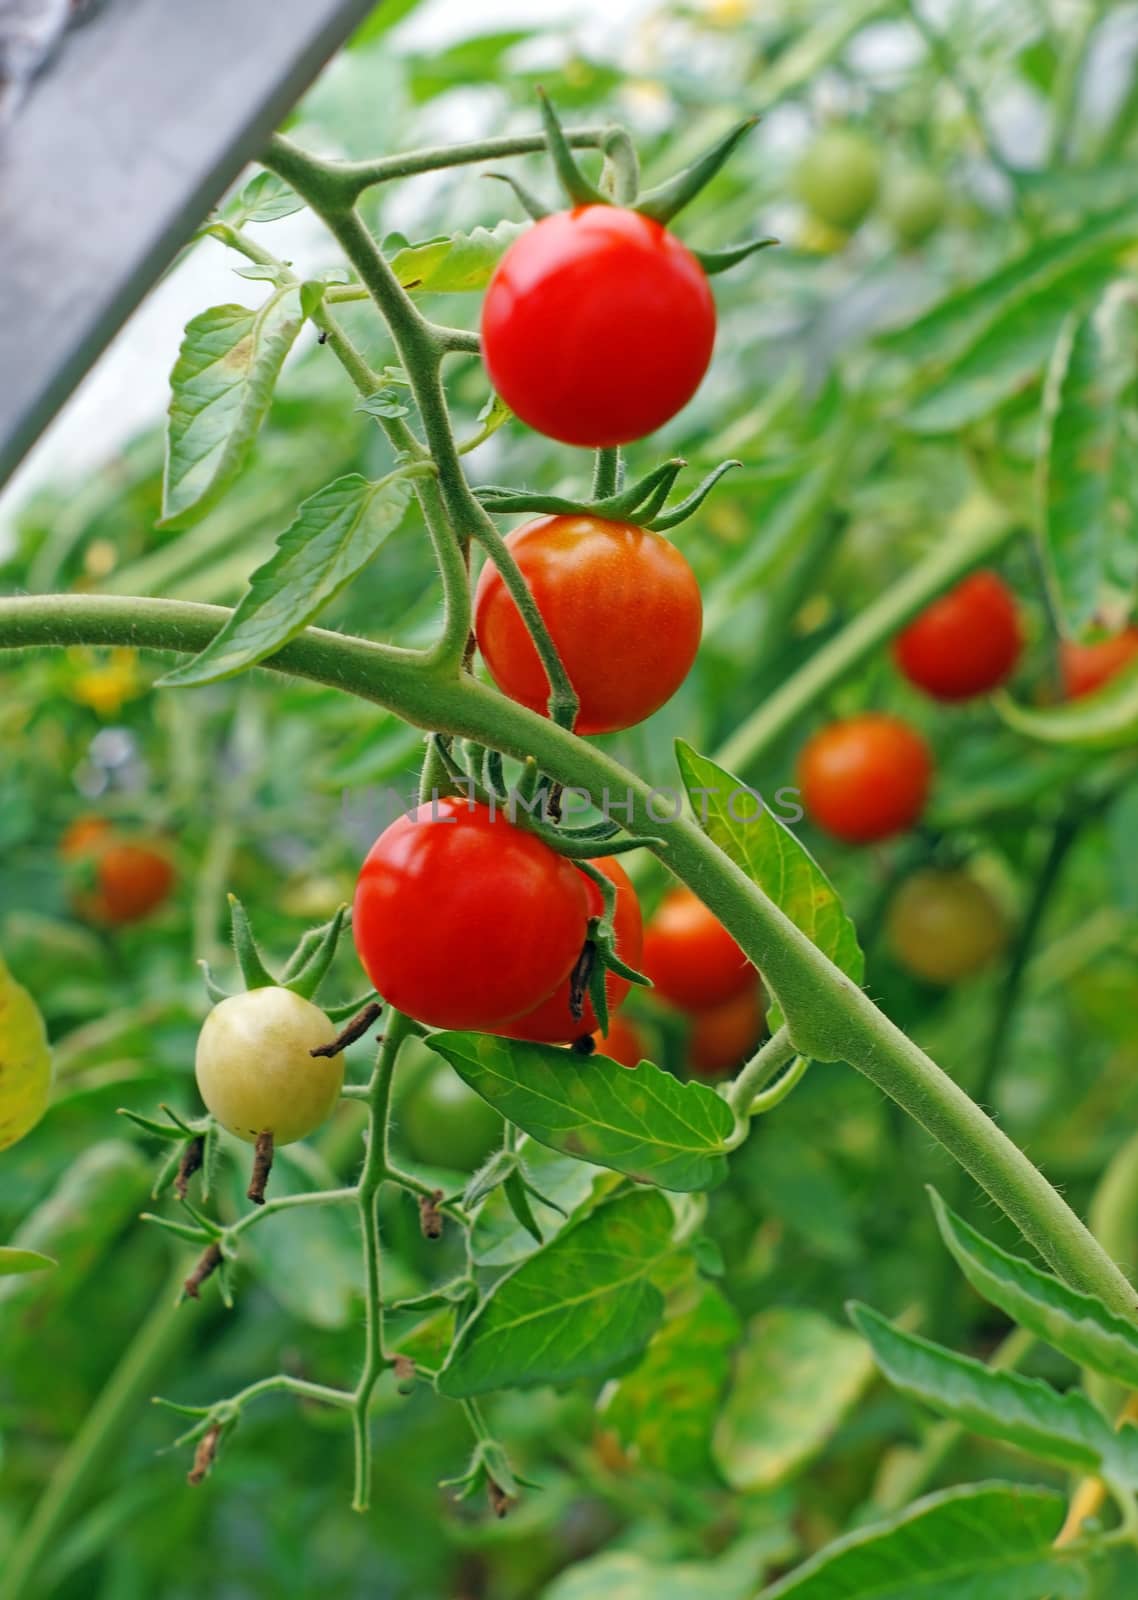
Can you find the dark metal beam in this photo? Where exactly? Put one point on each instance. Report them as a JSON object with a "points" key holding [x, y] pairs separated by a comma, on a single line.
{"points": [[120, 149]]}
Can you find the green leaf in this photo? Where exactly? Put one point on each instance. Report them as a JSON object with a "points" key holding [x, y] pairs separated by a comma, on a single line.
{"points": [[334, 535], [947, 330], [984, 1541], [735, 818], [455, 263], [221, 386], [1077, 1324], [627, 1575], [499, 1240], [664, 1409], [1104, 720], [640, 1121], [579, 1307], [13, 1263], [796, 1376], [1008, 357], [1063, 1428], [264, 198]]}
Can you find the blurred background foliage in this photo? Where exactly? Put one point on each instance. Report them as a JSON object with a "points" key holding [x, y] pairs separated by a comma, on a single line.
{"points": [[860, 455]]}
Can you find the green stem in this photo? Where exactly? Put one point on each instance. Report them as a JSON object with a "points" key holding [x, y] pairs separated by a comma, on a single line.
{"points": [[375, 1169], [1065, 93], [606, 473], [764, 1065], [96, 1439], [828, 1017], [870, 629], [353, 177], [290, 1202]]}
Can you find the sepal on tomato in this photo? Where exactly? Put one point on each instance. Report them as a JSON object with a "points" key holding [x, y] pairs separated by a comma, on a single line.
{"points": [[577, 186], [667, 199]]}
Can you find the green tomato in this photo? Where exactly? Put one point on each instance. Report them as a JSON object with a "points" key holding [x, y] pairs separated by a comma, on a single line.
{"points": [[914, 204], [943, 926], [838, 176], [443, 1123], [255, 1067]]}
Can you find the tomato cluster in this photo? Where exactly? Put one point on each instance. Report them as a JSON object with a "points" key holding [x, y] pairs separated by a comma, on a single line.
{"points": [[839, 179], [696, 965], [117, 879]]}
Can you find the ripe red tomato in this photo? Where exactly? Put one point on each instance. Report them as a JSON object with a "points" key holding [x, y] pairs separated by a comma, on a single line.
{"points": [[622, 1043], [1086, 667], [690, 957], [723, 1037], [964, 644], [124, 881], [597, 326], [462, 920], [943, 926], [621, 605], [552, 1022], [865, 778]]}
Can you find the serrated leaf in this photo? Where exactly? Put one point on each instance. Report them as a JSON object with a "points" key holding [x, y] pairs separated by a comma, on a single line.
{"points": [[334, 535], [664, 1409], [1007, 358], [264, 198], [499, 1240], [221, 386], [1063, 1428], [986, 1541], [1077, 1324], [796, 1376], [25, 1061], [457, 263], [638, 1120], [735, 819], [577, 1308], [1104, 720], [14, 1263]]}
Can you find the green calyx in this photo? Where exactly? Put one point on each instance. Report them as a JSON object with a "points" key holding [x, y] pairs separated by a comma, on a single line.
{"points": [[642, 502]]}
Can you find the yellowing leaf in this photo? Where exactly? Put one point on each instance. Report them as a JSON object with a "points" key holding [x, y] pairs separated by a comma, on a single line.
{"points": [[25, 1061]]}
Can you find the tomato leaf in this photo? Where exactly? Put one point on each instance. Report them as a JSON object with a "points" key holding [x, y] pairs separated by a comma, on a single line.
{"points": [[264, 198], [221, 386], [580, 1306], [1063, 1428], [984, 1539], [1104, 720], [666, 1406], [638, 1120], [795, 1378], [15, 1262], [735, 818], [1077, 1324], [25, 1061], [455, 263], [334, 535], [499, 1240], [628, 1575]]}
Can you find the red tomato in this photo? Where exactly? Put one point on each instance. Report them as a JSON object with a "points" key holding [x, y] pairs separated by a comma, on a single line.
{"points": [[722, 1038], [865, 778], [124, 881], [621, 605], [552, 1022], [1086, 667], [462, 920], [689, 955], [965, 643], [622, 1043], [597, 326]]}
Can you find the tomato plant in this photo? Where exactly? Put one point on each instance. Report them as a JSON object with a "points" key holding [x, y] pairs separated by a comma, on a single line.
{"points": [[964, 644], [865, 778], [597, 326], [622, 607]]}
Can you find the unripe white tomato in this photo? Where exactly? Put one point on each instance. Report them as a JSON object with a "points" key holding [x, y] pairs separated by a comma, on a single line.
{"points": [[254, 1067]]}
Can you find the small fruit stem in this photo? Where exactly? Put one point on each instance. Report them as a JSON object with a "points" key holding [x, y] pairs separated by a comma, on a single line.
{"points": [[606, 473]]}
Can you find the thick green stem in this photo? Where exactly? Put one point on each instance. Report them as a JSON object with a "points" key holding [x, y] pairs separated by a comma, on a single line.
{"points": [[354, 177], [97, 1438], [870, 629], [770, 1059], [827, 1016]]}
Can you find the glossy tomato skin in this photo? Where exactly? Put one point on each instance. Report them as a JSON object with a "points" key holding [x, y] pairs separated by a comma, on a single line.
{"points": [[552, 1022], [462, 920], [125, 880], [597, 326], [1087, 667], [690, 957], [255, 1068], [622, 1043], [943, 926], [621, 604], [865, 778], [723, 1037], [966, 643]]}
